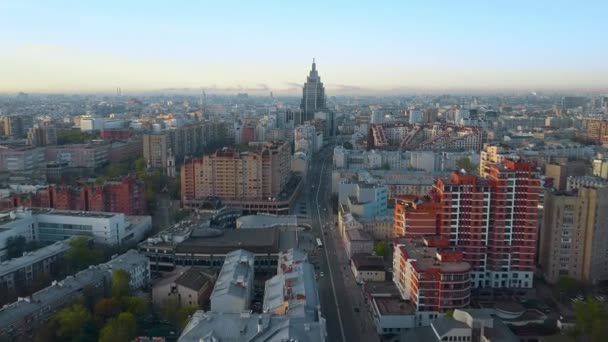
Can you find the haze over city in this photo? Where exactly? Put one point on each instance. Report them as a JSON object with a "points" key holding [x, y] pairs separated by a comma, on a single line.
{"points": [[372, 48]]}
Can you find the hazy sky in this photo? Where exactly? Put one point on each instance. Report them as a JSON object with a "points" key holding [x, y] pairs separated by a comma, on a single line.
{"points": [[55, 46]]}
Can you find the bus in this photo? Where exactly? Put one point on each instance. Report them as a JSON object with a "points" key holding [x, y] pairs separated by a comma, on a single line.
{"points": [[319, 243]]}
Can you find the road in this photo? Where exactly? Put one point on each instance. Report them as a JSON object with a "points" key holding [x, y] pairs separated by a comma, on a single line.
{"points": [[338, 292]]}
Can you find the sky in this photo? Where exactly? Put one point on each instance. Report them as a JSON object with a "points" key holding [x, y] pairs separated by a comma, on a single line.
{"points": [[262, 46]]}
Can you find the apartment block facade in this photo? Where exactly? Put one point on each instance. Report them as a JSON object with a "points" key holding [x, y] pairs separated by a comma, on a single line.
{"points": [[574, 235], [493, 221], [431, 275], [258, 174]]}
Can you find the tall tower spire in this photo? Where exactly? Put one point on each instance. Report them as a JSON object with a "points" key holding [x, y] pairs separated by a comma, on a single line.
{"points": [[314, 65]]}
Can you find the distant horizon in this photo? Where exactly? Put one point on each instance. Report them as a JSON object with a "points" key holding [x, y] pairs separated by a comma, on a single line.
{"points": [[395, 47]]}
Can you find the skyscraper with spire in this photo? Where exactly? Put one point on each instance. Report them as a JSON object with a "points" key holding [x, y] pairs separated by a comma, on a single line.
{"points": [[313, 95]]}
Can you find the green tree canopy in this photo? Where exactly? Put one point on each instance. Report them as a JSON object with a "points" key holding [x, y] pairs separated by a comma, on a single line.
{"points": [[466, 164], [137, 306], [381, 249], [82, 254], [178, 315], [71, 320], [121, 328], [15, 246], [347, 145], [106, 308], [591, 321], [120, 284]]}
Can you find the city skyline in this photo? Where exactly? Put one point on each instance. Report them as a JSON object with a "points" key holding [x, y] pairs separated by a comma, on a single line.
{"points": [[361, 49]]}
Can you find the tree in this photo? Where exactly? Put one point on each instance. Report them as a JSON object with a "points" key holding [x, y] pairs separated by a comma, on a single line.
{"points": [[178, 315], [106, 308], [347, 145], [121, 328], [71, 320], [570, 285], [386, 166], [591, 317], [137, 306], [120, 284], [466, 164], [15, 246], [381, 249], [82, 254]]}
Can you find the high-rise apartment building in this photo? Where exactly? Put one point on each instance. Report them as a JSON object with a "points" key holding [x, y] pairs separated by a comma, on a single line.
{"points": [[16, 126], [313, 95], [574, 235], [259, 174], [156, 148], [42, 135], [493, 221]]}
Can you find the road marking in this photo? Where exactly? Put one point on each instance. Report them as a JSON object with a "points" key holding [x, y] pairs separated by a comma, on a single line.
{"points": [[331, 275]]}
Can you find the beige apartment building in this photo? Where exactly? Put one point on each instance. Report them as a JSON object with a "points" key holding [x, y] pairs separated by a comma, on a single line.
{"points": [[259, 174], [574, 235]]}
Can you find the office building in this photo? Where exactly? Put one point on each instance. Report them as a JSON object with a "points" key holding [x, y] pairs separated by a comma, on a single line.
{"points": [[90, 156], [21, 159], [233, 289], [313, 95], [430, 275], [57, 225], [493, 221], [13, 223], [600, 166], [574, 235]]}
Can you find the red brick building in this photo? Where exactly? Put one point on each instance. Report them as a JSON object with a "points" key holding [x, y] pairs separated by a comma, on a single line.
{"points": [[125, 196], [492, 221], [115, 134]]}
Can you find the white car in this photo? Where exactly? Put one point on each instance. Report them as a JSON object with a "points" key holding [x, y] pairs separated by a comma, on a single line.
{"points": [[321, 274]]}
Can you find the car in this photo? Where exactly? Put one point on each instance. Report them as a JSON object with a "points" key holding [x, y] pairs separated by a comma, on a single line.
{"points": [[321, 274]]}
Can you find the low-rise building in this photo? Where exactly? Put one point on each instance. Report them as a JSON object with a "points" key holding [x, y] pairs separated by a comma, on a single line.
{"points": [[234, 286], [293, 290], [22, 271], [190, 286], [245, 326], [358, 241], [367, 267], [27, 314], [464, 325]]}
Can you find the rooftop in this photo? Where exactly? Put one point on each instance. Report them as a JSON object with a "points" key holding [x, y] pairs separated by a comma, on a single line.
{"points": [[236, 275], [296, 288], [358, 235], [368, 262], [393, 306], [194, 278], [266, 221], [74, 213], [426, 258], [31, 258], [237, 327], [254, 240]]}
